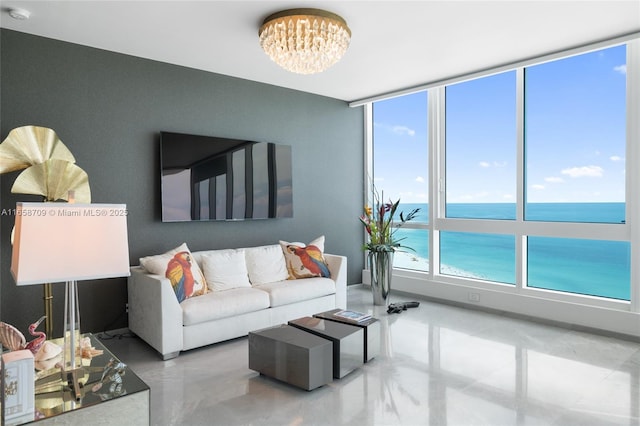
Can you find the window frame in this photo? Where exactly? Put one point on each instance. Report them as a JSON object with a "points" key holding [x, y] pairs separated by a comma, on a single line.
{"points": [[519, 228]]}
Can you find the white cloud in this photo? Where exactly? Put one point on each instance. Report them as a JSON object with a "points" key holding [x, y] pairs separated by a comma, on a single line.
{"points": [[420, 179], [615, 158], [554, 179], [537, 187], [399, 130], [622, 69], [584, 171], [403, 130], [486, 164], [507, 197]]}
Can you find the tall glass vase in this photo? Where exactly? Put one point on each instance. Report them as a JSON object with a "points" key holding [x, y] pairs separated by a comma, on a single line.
{"points": [[381, 268]]}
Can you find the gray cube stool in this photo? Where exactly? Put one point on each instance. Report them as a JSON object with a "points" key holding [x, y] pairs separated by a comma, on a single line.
{"points": [[371, 328], [348, 347], [291, 355]]}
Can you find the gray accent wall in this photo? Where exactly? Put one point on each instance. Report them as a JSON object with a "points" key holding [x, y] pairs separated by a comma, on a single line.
{"points": [[109, 108]]}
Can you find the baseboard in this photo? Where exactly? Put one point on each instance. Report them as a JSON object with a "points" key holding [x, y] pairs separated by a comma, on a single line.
{"points": [[599, 320]]}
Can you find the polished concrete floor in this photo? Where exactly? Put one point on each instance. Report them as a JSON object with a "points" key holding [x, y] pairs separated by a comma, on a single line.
{"points": [[440, 365]]}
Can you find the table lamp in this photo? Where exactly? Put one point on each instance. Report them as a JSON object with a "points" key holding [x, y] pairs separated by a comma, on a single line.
{"points": [[59, 242]]}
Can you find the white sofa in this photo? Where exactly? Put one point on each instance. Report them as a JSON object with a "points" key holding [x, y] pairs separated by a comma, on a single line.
{"points": [[156, 316]]}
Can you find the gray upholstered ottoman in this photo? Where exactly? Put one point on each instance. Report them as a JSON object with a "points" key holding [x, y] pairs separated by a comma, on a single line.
{"points": [[292, 356]]}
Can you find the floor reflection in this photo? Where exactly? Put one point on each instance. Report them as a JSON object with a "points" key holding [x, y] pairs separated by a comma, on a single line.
{"points": [[439, 365]]}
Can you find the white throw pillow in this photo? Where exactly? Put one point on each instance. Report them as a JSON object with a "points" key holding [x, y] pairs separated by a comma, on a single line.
{"points": [[186, 278], [265, 264], [225, 269]]}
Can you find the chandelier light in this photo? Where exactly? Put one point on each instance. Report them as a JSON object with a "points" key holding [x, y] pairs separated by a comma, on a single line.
{"points": [[304, 41]]}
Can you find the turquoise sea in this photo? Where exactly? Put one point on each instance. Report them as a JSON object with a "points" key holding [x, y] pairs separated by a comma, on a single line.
{"points": [[598, 268]]}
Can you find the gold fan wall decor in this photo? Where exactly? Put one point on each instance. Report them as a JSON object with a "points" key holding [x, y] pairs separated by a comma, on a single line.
{"points": [[29, 145], [54, 179], [50, 169]]}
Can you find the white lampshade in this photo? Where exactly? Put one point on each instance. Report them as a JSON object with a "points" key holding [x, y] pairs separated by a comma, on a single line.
{"points": [[57, 242]]}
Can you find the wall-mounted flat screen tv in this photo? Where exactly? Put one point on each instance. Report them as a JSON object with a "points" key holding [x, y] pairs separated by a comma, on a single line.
{"points": [[213, 178]]}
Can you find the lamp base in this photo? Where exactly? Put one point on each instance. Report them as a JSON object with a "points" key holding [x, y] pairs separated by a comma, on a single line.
{"points": [[47, 297], [73, 383], [72, 354]]}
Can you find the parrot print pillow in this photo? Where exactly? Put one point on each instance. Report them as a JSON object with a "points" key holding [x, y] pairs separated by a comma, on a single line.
{"points": [[182, 270], [305, 260]]}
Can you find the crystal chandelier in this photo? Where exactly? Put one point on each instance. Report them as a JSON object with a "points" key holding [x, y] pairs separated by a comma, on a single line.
{"points": [[304, 41]]}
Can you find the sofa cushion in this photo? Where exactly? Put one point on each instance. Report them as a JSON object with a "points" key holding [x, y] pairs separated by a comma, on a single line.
{"points": [[292, 291], [225, 269], [223, 304], [179, 266], [265, 264], [305, 260]]}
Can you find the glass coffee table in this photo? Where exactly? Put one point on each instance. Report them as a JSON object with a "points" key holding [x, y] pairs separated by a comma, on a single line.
{"points": [[110, 393]]}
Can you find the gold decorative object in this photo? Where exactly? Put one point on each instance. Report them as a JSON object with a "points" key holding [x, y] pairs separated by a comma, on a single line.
{"points": [[305, 41], [54, 179], [29, 145]]}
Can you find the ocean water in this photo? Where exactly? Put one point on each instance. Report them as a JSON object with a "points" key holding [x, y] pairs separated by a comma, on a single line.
{"points": [[597, 268]]}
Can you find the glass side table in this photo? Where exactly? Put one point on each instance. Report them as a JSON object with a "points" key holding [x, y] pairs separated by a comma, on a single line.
{"points": [[110, 393]]}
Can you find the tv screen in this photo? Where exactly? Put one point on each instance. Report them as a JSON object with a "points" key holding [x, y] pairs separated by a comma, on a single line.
{"points": [[213, 178]]}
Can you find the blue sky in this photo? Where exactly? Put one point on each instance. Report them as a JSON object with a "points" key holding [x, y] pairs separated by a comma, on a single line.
{"points": [[400, 148], [575, 135]]}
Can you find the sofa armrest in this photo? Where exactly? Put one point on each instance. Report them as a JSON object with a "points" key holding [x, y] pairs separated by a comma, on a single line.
{"points": [[154, 312], [338, 268]]}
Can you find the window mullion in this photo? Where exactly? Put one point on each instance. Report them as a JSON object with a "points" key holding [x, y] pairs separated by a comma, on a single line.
{"points": [[632, 164], [435, 110], [521, 241], [368, 167]]}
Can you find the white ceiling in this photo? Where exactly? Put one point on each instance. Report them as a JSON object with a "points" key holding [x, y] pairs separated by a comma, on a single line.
{"points": [[395, 44]]}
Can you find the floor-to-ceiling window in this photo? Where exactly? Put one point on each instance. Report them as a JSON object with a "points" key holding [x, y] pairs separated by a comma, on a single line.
{"points": [[524, 175], [575, 139], [401, 169], [480, 176]]}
